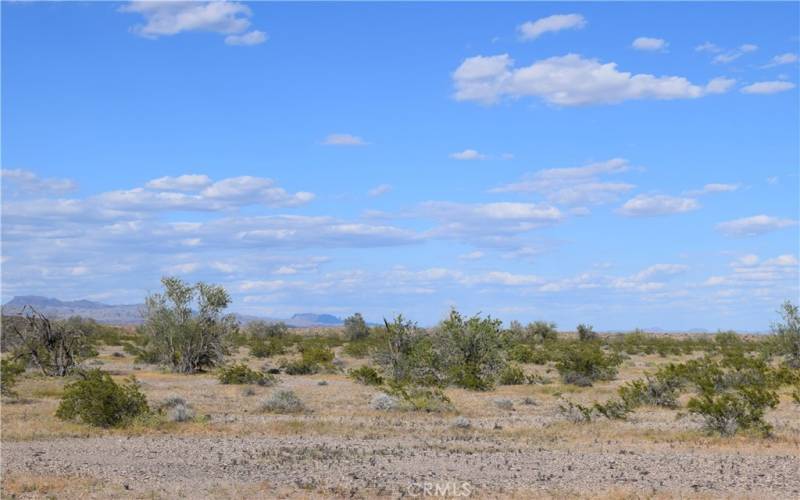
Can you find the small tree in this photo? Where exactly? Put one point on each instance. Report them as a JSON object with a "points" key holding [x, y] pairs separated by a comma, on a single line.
{"points": [[188, 340], [355, 328], [787, 334], [55, 348], [586, 333], [263, 330], [9, 370]]}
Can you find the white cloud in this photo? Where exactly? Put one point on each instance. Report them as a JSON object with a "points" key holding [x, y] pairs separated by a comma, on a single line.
{"points": [[171, 18], [786, 260], [27, 181], [183, 268], [708, 47], [787, 58], [650, 205], [755, 225], [250, 38], [732, 55], [379, 190], [574, 185], [660, 270], [468, 154], [187, 182], [223, 267], [770, 87], [531, 30], [649, 44], [714, 188], [569, 80], [476, 255], [343, 140]]}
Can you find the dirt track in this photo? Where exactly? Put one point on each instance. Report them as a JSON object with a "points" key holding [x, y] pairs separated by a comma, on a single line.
{"points": [[198, 467]]}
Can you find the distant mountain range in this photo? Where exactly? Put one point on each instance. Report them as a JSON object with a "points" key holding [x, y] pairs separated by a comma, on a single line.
{"points": [[130, 314]]}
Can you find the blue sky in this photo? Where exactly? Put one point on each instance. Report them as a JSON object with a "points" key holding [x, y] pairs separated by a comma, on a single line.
{"points": [[625, 165]]}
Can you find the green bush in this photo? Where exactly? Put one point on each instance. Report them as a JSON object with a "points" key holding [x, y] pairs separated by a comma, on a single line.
{"points": [[576, 413], [585, 362], [416, 398], [613, 409], [242, 374], [300, 367], [316, 353], [731, 411], [366, 375], [471, 350], [9, 371], [661, 389], [266, 348], [408, 355], [512, 375], [522, 353], [787, 334], [97, 400], [263, 330]]}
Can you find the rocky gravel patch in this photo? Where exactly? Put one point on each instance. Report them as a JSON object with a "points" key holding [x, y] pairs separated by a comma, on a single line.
{"points": [[197, 466]]}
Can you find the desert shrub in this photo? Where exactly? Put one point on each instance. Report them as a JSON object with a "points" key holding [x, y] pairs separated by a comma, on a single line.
{"points": [[462, 422], [522, 353], [264, 330], [735, 391], [661, 389], [366, 375], [532, 333], [512, 375], [9, 371], [283, 401], [56, 347], [97, 400], [586, 333], [176, 409], [242, 374], [576, 413], [184, 338], [787, 334], [355, 328], [731, 411], [408, 356], [796, 393], [384, 402], [300, 367], [266, 347], [471, 350], [416, 398], [585, 362], [613, 409], [316, 353]]}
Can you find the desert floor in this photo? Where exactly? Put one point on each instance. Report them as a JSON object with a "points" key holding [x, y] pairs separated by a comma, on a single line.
{"points": [[341, 447]]}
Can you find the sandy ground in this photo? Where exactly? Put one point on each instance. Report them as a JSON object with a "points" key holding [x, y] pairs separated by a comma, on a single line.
{"points": [[342, 448]]}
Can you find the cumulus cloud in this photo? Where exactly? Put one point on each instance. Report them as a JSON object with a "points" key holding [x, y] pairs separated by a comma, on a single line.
{"points": [[187, 182], [574, 185], [532, 30], [769, 87], [708, 47], [645, 205], [343, 140], [755, 225], [171, 18], [27, 181], [649, 44], [570, 80], [251, 38], [468, 154]]}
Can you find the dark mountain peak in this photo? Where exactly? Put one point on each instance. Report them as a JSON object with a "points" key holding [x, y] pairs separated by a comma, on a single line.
{"points": [[39, 301]]}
